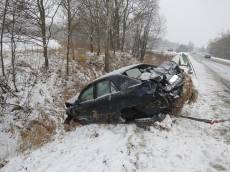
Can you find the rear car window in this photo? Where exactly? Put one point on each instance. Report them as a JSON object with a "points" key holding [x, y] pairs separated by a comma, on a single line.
{"points": [[87, 94], [134, 73]]}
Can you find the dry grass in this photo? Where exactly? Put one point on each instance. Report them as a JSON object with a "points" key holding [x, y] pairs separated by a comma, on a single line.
{"points": [[36, 133], [189, 95], [71, 126]]}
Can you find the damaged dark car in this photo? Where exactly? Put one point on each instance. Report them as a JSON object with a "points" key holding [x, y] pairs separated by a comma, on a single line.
{"points": [[131, 93]]}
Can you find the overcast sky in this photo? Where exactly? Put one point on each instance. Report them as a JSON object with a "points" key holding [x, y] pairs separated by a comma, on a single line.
{"points": [[195, 20]]}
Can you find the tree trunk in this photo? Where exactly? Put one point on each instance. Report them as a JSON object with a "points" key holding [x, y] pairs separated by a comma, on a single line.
{"points": [[98, 43], [45, 54], [107, 37], [98, 29], [117, 26], [124, 24], [72, 44], [123, 37], [67, 54], [144, 40], [137, 41], [91, 44], [111, 38], [91, 39], [43, 30], [13, 50], [2, 33], [68, 36]]}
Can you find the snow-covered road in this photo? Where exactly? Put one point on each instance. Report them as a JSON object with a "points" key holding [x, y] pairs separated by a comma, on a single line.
{"points": [[221, 70], [188, 146]]}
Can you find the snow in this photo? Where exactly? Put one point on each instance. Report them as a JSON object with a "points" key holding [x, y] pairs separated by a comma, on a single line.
{"points": [[29, 44], [8, 144], [125, 148], [35, 92], [186, 145]]}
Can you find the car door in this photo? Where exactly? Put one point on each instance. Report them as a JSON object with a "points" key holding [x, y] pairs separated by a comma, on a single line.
{"points": [[126, 96], [86, 104], [102, 108], [116, 101]]}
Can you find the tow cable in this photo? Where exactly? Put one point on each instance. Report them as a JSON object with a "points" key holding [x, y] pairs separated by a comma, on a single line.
{"points": [[209, 121]]}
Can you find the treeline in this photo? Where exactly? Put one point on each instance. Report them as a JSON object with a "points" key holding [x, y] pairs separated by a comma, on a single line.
{"points": [[108, 25], [220, 47], [185, 48], [112, 25], [26, 21]]}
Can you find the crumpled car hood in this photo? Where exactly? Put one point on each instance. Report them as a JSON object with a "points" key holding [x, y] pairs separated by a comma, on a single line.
{"points": [[167, 69]]}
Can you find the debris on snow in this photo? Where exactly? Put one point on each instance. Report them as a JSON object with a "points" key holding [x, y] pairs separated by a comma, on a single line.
{"points": [[166, 124]]}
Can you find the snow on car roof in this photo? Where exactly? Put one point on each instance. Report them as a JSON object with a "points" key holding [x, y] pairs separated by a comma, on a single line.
{"points": [[118, 71]]}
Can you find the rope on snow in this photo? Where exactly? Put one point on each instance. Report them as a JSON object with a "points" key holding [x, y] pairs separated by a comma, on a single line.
{"points": [[209, 121]]}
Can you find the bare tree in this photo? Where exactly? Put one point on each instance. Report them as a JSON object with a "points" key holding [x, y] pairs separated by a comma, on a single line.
{"points": [[89, 20], [14, 27], [70, 10], [147, 25], [42, 24], [220, 46], [98, 29], [125, 16], [125, 24], [117, 5], [13, 46], [2, 34], [39, 15], [108, 36]]}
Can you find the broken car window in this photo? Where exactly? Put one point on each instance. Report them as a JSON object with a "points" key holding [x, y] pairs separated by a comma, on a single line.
{"points": [[134, 73]]}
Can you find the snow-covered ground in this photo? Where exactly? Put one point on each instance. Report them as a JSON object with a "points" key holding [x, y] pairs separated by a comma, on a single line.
{"points": [[28, 44], [187, 146]]}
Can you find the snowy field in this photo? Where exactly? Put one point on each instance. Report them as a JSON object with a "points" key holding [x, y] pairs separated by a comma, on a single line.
{"points": [[187, 146]]}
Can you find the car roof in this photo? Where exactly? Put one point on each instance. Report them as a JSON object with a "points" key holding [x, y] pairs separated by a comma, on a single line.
{"points": [[119, 71], [112, 75]]}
